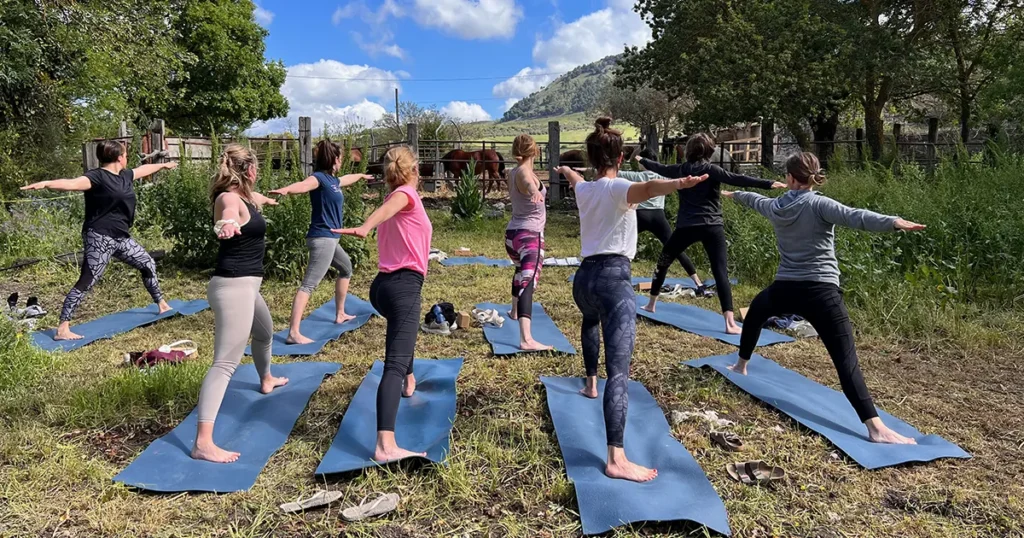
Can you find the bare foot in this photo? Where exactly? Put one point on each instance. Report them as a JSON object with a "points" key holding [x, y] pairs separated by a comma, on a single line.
{"points": [[164, 307], [630, 471], [880, 433], [739, 367], [64, 333], [214, 453], [651, 305], [270, 383], [297, 339], [511, 315], [732, 328], [590, 389], [383, 456], [342, 318], [410, 386], [533, 345]]}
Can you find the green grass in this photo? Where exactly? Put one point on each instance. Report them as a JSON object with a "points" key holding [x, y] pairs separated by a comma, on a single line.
{"points": [[72, 421]]}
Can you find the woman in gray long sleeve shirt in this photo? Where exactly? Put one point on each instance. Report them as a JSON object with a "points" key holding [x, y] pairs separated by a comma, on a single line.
{"points": [[807, 282], [700, 219]]}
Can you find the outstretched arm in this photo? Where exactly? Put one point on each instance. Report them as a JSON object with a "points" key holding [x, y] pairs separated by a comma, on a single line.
{"points": [[664, 170], [836, 213], [352, 179], [641, 192], [397, 202], [757, 202], [80, 183], [147, 170], [572, 175], [299, 187], [739, 180], [226, 212]]}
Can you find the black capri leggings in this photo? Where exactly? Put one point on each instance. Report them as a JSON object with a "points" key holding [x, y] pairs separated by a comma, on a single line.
{"points": [[713, 239], [396, 296], [656, 222], [603, 291], [821, 304]]}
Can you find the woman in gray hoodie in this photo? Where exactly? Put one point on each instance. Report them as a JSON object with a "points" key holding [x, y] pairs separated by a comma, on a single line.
{"points": [[807, 282]]}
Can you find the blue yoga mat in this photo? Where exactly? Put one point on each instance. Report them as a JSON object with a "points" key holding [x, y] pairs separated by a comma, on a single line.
{"points": [[424, 421], [696, 320], [829, 413], [479, 260], [680, 492], [685, 282], [115, 324], [505, 339], [250, 422], [320, 326]]}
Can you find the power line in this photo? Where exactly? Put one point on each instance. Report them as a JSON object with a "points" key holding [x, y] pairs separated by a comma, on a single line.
{"points": [[396, 79]]}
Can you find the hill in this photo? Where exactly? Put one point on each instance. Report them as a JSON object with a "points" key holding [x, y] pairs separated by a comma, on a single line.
{"points": [[573, 92]]}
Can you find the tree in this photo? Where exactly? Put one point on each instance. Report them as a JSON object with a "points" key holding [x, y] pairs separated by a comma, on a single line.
{"points": [[431, 121], [642, 107], [226, 84]]}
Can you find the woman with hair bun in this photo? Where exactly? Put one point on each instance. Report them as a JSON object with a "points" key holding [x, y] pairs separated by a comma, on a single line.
{"points": [[403, 243], [234, 292], [109, 214], [524, 236], [603, 288], [807, 283], [328, 203]]}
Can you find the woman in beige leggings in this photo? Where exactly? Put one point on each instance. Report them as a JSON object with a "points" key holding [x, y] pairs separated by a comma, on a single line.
{"points": [[234, 293]]}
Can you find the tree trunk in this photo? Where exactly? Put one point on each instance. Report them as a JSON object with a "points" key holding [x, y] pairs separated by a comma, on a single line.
{"points": [[965, 116], [874, 129], [825, 126]]}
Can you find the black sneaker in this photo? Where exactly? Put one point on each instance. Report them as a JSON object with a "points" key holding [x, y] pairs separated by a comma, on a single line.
{"points": [[705, 292], [12, 301]]}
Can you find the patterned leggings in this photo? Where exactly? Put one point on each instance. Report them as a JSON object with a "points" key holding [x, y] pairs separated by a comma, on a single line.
{"points": [[526, 250], [98, 251], [603, 291]]}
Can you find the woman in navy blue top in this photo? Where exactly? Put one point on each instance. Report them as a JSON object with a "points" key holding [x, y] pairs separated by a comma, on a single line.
{"points": [[325, 251]]}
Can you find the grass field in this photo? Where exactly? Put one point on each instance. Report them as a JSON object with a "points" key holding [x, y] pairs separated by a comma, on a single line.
{"points": [[71, 421]]}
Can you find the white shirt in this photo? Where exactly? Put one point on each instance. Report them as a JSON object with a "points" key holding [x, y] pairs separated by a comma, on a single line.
{"points": [[607, 223]]}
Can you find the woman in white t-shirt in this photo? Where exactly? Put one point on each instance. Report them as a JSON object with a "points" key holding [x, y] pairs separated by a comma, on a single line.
{"points": [[603, 288]]}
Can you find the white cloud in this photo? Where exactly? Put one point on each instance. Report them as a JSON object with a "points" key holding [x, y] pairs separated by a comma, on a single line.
{"points": [[380, 45], [591, 37], [381, 40], [263, 16], [465, 112], [326, 92], [470, 19]]}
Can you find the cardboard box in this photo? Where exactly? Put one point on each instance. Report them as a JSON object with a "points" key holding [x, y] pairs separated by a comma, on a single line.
{"points": [[463, 320], [743, 313], [464, 252], [644, 286]]}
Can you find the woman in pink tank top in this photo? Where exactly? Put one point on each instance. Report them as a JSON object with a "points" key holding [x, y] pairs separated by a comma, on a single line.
{"points": [[403, 242], [524, 237]]}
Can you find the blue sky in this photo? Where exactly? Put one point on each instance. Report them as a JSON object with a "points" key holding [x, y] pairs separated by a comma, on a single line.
{"points": [[345, 58]]}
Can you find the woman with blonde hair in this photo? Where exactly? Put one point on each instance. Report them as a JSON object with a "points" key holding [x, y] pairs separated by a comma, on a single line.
{"points": [[524, 236], [807, 282], [403, 243], [234, 292], [328, 204]]}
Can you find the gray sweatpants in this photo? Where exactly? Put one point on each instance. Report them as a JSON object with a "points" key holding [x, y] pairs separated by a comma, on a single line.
{"points": [[238, 311], [324, 253]]}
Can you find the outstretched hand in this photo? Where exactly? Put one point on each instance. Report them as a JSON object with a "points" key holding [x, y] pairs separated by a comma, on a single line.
{"points": [[358, 232], [170, 165], [908, 226], [228, 231], [690, 181], [728, 194], [779, 185], [270, 201], [35, 186]]}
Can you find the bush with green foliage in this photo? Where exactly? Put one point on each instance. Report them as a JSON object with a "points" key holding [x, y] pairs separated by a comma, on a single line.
{"points": [[469, 200]]}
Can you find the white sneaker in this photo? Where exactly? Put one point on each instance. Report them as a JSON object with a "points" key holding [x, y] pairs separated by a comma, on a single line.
{"points": [[436, 328]]}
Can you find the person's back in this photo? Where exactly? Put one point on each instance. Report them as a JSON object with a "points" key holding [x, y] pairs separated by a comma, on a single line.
{"points": [[607, 224], [526, 214]]}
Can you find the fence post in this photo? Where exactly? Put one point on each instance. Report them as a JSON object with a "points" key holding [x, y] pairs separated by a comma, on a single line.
{"points": [[554, 148], [413, 131], [156, 140], [122, 130], [89, 158], [768, 144], [860, 144], [652, 139], [933, 139], [306, 145]]}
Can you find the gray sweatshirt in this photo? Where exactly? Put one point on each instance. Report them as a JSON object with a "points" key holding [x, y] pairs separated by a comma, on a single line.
{"points": [[804, 223]]}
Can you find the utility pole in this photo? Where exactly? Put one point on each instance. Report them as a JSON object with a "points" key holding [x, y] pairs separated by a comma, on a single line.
{"points": [[397, 119]]}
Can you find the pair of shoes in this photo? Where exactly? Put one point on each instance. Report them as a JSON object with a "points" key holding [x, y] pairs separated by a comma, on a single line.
{"points": [[435, 327], [488, 317], [32, 309], [437, 255], [672, 292]]}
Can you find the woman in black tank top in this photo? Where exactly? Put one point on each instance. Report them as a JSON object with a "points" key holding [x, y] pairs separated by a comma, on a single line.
{"points": [[234, 294]]}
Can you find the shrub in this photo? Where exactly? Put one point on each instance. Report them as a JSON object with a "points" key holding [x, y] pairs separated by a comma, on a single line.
{"points": [[469, 200]]}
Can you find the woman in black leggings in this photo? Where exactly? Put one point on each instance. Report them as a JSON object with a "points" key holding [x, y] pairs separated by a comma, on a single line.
{"points": [[109, 214], [807, 283], [603, 288], [700, 219], [403, 245]]}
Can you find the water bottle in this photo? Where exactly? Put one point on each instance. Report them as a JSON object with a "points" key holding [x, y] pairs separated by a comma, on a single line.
{"points": [[439, 315]]}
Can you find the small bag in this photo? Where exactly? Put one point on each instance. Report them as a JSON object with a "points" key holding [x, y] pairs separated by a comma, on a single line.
{"points": [[173, 353]]}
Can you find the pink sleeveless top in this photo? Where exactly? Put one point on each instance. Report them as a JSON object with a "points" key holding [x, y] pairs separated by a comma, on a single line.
{"points": [[403, 241]]}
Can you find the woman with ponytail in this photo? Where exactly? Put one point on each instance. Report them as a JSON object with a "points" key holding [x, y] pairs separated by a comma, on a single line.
{"points": [[328, 201], [234, 292], [403, 243], [109, 193], [807, 283], [700, 220], [603, 288]]}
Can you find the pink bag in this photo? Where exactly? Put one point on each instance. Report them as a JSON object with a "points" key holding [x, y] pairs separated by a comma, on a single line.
{"points": [[170, 354]]}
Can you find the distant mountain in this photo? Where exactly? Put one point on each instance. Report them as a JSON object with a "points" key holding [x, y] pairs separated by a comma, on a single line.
{"points": [[573, 92]]}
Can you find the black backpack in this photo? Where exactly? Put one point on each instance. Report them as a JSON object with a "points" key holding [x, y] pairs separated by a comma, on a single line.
{"points": [[447, 310]]}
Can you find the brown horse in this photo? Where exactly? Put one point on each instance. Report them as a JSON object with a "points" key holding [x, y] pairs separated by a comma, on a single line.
{"points": [[377, 168], [489, 165]]}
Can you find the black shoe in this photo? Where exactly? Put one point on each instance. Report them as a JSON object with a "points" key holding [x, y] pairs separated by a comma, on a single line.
{"points": [[705, 292], [12, 301], [32, 301]]}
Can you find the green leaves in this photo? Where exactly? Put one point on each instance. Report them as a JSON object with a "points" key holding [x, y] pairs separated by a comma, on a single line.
{"points": [[469, 200]]}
